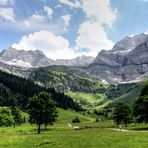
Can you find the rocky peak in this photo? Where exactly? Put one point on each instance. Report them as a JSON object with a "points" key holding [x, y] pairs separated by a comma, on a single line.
{"points": [[24, 58], [127, 61], [130, 42]]}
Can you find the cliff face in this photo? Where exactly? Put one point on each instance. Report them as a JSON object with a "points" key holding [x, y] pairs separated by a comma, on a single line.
{"points": [[24, 58], [126, 62]]}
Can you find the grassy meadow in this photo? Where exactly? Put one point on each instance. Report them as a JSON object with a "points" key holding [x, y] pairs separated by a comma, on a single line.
{"points": [[96, 135]]}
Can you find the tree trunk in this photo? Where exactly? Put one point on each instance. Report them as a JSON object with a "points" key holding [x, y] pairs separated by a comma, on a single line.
{"points": [[45, 126], [39, 128]]}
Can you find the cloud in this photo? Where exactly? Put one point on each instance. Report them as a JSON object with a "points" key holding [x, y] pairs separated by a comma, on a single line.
{"points": [[33, 23], [53, 46], [7, 14], [96, 10], [93, 37], [99, 11], [6, 2], [144, 0], [66, 19], [48, 10], [71, 4]]}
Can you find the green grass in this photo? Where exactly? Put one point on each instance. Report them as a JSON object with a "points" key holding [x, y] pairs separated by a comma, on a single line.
{"points": [[88, 100], [70, 138], [97, 135], [66, 116], [129, 97]]}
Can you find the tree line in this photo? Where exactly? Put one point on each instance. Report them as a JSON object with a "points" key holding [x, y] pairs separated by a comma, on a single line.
{"points": [[16, 91], [137, 113]]}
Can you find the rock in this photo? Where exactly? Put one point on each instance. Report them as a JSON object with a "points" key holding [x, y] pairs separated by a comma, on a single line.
{"points": [[126, 62]]}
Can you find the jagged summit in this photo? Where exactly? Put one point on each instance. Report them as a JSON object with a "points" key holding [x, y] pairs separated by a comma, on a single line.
{"points": [[127, 61], [36, 58]]}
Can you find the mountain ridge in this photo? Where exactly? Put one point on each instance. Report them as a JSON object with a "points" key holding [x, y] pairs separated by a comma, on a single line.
{"points": [[123, 65], [37, 58]]}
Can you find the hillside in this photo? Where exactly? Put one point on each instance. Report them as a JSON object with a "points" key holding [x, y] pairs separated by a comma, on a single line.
{"points": [[64, 78], [16, 90], [85, 90]]}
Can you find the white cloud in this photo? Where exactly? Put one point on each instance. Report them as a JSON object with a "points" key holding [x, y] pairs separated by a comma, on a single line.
{"points": [[33, 23], [93, 37], [48, 10], [66, 19], [99, 11], [6, 2], [53, 46], [7, 14], [96, 10], [71, 4], [144, 0]]}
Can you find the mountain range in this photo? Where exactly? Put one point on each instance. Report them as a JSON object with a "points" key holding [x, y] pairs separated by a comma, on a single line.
{"points": [[30, 59], [126, 62]]}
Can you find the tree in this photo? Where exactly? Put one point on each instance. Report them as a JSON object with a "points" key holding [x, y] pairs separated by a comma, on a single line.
{"points": [[76, 120], [42, 110], [122, 114], [140, 107], [17, 115], [6, 118]]}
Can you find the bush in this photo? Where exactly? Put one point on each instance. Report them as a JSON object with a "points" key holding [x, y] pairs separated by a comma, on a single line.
{"points": [[76, 120], [6, 118]]}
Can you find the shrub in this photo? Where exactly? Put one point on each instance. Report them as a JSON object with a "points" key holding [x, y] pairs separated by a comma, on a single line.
{"points": [[76, 120]]}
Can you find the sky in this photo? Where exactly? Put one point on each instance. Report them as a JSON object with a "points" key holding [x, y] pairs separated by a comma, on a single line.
{"points": [[65, 29]]}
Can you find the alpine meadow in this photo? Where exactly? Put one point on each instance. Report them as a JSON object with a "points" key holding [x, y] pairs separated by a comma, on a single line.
{"points": [[73, 74]]}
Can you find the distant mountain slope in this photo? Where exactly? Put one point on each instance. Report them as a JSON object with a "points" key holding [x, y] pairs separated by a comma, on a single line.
{"points": [[36, 58], [64, 78], [23, 58], [126, 62], [79, 61]]}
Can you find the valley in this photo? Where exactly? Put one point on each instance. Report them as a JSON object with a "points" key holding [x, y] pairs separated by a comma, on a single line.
{"points": [[86, 97]]}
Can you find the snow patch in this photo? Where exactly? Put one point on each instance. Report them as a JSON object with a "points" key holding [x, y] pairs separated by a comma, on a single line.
{"points": [[123, 51], [146, 32], [18, 63], [131, 36]]}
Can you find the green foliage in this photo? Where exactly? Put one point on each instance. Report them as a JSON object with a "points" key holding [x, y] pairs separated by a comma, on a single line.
{"points": [[15, 91], [125, 93], [42, 110], [64, 78], [76, 120], [17, 115], [122, 114], [6, 118], [140, 107]]}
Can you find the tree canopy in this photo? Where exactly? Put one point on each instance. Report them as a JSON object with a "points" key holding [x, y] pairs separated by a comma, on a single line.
{"points": [[140, 107], [122, 114], [6, 118], [15, 91], [42, 110]]}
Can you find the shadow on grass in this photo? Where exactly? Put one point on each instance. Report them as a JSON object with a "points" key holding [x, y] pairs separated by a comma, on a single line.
{"points": [[140, 129]]}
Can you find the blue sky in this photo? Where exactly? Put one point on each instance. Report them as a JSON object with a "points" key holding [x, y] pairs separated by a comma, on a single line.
{"points": [[69, 28]]}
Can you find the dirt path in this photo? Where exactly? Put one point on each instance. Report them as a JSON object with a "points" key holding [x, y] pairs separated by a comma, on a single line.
{"points": [[124, 130]]}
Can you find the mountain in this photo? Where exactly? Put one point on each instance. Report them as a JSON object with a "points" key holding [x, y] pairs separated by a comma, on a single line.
{"points": [[64, 78], [126, 62], [37, 58], [23, 58], [79, 61]]}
